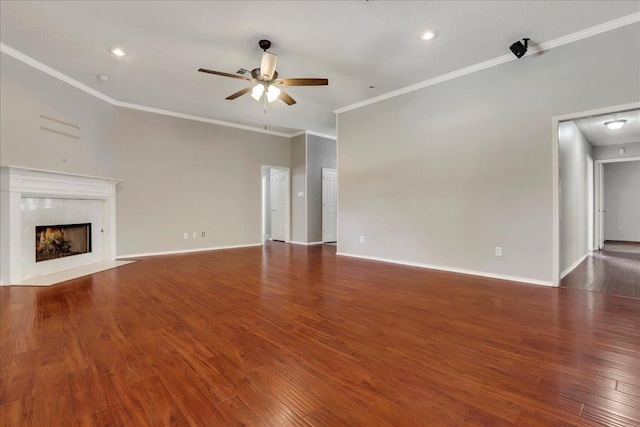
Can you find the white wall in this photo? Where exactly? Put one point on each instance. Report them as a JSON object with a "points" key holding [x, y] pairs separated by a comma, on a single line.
{"points": [[443, 175], [622, 201], [613, 151], [573, 149]]}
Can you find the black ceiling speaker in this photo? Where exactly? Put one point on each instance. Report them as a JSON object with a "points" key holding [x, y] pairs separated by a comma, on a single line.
{"points": [[519, 48]]}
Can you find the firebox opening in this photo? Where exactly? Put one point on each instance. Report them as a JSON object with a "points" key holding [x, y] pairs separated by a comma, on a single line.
{"points": [[63, 240]]}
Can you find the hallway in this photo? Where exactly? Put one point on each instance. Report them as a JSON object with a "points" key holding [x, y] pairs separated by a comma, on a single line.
{"points": [[615, 270]]}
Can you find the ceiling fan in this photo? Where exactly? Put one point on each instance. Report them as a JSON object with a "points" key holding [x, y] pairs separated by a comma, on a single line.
{"points": [[266, 79]]}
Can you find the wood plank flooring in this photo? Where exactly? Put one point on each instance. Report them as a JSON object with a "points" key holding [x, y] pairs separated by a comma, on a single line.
{"points": [[614, 270], [295, 336]]}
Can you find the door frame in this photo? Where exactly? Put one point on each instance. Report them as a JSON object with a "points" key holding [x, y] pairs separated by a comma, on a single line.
{"points": [[599, 192], [322, 213], [266, 204], [555, 162]]}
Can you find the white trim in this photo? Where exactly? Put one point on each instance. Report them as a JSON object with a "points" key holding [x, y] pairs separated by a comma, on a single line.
{"points": [[188, 251], [555, 165], [306, 187], [293, 242], [19, 182], [315, 243], [619, 160], [570, 38], [451, 269], [321, 135], [29, 170], [63, 77], [197, 118], [293, 135], [574, 265]]}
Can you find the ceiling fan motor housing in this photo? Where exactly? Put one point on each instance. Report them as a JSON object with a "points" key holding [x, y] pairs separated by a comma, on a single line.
{"points": [[255, 73]]}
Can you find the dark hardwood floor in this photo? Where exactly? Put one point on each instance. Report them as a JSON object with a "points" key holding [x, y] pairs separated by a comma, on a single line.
{"points": [[614, 270], [295, 336]]}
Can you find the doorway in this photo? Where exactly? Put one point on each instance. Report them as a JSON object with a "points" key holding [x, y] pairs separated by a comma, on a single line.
{"points": [[582, 253], [329, 205], [275, 218]]}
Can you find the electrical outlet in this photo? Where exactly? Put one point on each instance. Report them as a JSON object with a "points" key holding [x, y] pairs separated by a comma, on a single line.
{"points": [[195, 234], [185, 235], [498, 250], [203, 234], [361, 239]]}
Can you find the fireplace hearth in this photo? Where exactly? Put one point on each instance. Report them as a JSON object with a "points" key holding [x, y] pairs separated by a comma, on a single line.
{"points": [[63, 240]]}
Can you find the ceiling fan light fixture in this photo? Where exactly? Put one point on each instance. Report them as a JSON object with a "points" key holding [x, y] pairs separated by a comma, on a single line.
{"points": [[615, 124], [273, 93], [257, 91]]}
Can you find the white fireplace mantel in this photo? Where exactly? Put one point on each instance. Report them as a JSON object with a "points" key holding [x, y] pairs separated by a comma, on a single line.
{"points": [[17, 183]]}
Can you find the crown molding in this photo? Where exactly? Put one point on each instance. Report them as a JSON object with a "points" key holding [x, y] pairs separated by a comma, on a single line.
{"points": [[54, 73], [302, 132], [198, 118], [561, 41], [322, 135], [63, 77]]}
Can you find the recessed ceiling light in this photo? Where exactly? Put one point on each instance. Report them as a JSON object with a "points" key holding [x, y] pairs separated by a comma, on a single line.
{"points": [[118, 52], [103, 77], [615, 124], [429, 35]]}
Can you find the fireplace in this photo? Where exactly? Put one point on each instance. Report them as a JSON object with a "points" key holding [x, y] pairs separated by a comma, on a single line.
{"points": [[63, 240]]}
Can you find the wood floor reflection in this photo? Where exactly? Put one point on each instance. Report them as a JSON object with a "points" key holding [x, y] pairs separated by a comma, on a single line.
{"points": [[295, 336], [614, 270]]}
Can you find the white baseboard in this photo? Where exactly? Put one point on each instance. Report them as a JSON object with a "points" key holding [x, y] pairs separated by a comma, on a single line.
{"points": [[186, 251], [574, 265], [303, 243], [452, 270]]}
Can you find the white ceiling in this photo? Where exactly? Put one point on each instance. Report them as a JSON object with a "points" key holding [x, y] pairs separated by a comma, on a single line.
{"points": [[597, 133], [354, 44]]}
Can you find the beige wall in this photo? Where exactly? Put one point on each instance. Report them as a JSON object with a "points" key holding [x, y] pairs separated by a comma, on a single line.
{"points": [[187, 176], [321, 153], [443, 175], [298, 185], [27, 93], [179, 175]]}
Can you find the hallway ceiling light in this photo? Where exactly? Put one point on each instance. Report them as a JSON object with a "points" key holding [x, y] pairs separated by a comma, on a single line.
{"points": [[429, 35], [118, 52], [615, 124]]}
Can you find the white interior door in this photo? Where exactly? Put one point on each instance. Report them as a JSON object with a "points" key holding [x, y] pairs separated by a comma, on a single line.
{"points": [[329, 205], [279, 205], [601, 209]]}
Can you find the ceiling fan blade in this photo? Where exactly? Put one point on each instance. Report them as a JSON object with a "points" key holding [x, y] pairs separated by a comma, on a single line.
{"points": [[268, 65], [220, 73], [239, 93], [302, 82], [286, 98]]}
